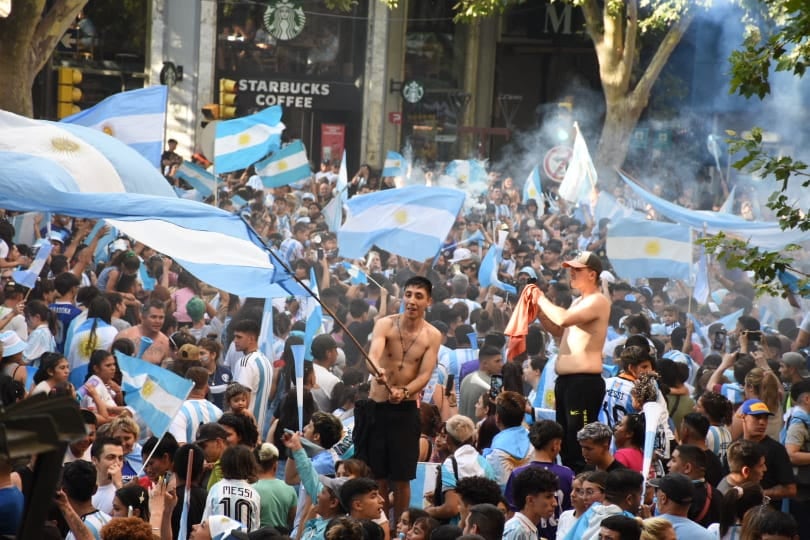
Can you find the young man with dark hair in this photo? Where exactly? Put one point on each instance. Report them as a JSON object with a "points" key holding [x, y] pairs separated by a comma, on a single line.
{"points": [[153, 315], [582, 329], [690, 461], [81, 449], [746, 463], [108, 459], [619, 527], [510, 448], [546, 437], [594, 441], [64, 306], [474, 490], [486, 521], [622, 496], [162, 457], [477, 383], [361, 498], [404, 350], [253, 370], [534, 492], [693, 430], [79, 485]]}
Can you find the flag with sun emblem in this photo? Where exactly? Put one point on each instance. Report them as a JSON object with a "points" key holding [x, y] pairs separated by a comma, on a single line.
{"points": [[645, 249], [242, 142], [136, 118], [411, 221], [288, 165], [154, 393], [533, 189]]}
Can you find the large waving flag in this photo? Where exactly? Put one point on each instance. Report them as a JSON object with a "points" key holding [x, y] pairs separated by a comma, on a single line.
{"points": [[242, 142], [763, 234], [342, 184], [288, 165], [412, 221], [643, 249], [580, 177], [203, 181], [56, 167], [466, 171], [533, 188], [394, 164], [314, 324], [608, 207], [136, 118], [488, 271], [28, 277], [156, 394]]}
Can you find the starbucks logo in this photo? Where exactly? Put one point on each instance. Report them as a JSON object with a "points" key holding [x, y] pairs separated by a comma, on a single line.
{"points": [[412, 91], [284, 20]]}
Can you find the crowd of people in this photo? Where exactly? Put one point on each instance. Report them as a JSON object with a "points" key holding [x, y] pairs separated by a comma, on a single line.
{"points": [[527, 412]]}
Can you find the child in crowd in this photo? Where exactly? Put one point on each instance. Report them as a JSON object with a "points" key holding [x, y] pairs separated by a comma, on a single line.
{"points": [[237, 398]]}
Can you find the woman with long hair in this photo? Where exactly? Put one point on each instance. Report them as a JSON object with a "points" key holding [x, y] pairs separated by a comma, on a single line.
{"points": [[629, 437], [765, 386], [53, 372], [100, 393], [131, 500], [233, 496], [733, 506], [42, 329], [95, 333]]}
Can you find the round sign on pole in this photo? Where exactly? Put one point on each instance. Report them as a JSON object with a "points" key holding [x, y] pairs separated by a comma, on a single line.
{"points": [[556, 161]]}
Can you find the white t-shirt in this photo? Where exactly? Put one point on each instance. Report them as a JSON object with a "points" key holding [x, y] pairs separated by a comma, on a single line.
{"points": [[236, 499], [103, 394], [103, 498], [255, 371]]}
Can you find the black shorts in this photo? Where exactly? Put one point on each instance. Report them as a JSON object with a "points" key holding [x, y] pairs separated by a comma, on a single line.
{"points": [[391, 444]]}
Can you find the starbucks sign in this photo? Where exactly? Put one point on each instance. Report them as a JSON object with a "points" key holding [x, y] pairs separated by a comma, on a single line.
{"points": [[284, 19]]}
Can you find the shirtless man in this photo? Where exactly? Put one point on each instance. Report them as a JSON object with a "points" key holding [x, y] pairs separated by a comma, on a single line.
{"points": [[152, 318], [580, 388], [405, 350]]}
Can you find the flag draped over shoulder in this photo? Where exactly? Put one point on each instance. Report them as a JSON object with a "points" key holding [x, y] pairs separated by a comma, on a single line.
{"points": [[642, 248], [286, 166], [580, 177], [411, 221], [156, 394], [242, 142], [394, 164], [533, 189], [135, 117], [50, 168]]}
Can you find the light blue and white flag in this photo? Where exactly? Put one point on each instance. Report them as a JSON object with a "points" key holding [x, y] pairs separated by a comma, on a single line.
{"points": [[47, 167], [580, 177], [702, 288], [156, 394], [266, 336], [762, 234], [298, 360], [394, 164], [314, 325], [608, 207], [644, 249], [728, 205], [28, 277], [241, 142], [24, 230], [87, 160], [467, 171], [488, 271], [342, 184], [729, 322], [285, 166], [197, 177], [533, 188], [333, 214], [356, 275], [189, 194], [423, 486], [652, 411], [135, 117], [412, 221]]}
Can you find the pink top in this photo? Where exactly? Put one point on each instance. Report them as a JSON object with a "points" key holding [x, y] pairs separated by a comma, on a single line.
{"points": [[181, 298], [632, 458]]}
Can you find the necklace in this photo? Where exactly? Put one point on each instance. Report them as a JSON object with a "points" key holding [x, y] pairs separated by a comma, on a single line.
{"points": [[402, 342]]}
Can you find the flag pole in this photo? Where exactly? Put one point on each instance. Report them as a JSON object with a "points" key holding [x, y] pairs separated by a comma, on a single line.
{"points": [[309, 291], [151, 454], [691, 278]]}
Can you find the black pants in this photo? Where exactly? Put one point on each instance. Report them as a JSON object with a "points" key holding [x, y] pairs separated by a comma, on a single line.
{"points": [[578, 398]]}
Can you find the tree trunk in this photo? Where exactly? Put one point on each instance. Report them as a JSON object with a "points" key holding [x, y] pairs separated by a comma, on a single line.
{"points": [[621, 117], [17, 81]]}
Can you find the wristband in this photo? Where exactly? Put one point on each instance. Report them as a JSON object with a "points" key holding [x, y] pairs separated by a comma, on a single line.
{"points": [[406, 394]]}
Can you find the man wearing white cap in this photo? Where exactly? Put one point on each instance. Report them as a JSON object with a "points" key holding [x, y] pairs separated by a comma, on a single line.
{"points": [[582, 328], [215, 528]]}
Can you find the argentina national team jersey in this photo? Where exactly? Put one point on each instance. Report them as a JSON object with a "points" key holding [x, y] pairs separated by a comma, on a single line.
{"points": [[236, 499], [94, 522], [718, 439], [617, 402], [193, 413], [255, 371]]}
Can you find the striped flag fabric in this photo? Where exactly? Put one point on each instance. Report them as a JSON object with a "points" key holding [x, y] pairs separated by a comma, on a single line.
{"points": [[28, 277], [286, 166], [135, 117], [466, 171], [356, 275], [394, 164], [533, 188], [156, 394], [412, 221], [203, 181], [580, 177], [644, 249], [241, 142], [488, 271], [314, 325]]}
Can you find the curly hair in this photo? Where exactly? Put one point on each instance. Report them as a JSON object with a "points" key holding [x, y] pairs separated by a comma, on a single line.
{"points": [[129, 528], [646, 388], [718, 408]]}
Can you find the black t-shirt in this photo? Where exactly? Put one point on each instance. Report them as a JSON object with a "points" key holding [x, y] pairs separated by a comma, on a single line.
{"points": [[699, 511], [780, 471]]}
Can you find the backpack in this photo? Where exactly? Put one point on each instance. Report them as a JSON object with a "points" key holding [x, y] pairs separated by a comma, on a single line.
{"points": [[438, 493]]}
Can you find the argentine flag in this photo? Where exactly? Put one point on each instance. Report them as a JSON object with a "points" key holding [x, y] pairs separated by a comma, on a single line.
{"points": [[198, 178], [488, 271], [466, 171], [288, 165], [156, 394], [580, 176], [242, 142], [394, 164], [136, 118], [533, 189], [645, 249], [411, 221]]}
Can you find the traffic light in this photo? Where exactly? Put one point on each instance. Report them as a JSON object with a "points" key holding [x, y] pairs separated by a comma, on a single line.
{"points": [[68, 93], [210, 113], [227, 98]]}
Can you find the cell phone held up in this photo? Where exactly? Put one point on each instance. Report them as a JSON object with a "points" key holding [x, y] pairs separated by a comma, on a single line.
{"points": [[495, 386], [449, 384], [719, 340]]}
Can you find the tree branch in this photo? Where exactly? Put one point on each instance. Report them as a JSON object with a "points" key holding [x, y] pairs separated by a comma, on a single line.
{"points": [[630, 37], [52, 26], [593, 21], [641, 92]]}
